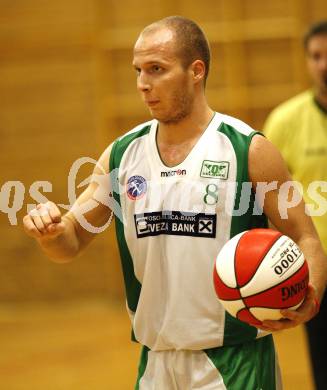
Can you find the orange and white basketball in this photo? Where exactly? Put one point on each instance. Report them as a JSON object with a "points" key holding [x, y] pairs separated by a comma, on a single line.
{"points": [[259, 272]]}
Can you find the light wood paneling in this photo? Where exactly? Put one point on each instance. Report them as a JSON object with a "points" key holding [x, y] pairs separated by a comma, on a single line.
{"points": [[83, 345], [48, 119]]}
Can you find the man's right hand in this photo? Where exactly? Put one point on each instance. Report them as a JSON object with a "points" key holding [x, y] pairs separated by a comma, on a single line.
{"points": [[44, 221], [62, 237]]}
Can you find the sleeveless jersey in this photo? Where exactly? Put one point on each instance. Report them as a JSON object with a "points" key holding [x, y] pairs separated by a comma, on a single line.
{"points": [[173, 223]]}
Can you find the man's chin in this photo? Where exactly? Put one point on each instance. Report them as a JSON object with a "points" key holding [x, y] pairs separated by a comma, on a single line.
{"points": [[169, 120], [156, 115]]}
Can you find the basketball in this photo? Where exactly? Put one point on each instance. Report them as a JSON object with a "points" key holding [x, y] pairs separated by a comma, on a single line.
{"points": [[259, 272]]}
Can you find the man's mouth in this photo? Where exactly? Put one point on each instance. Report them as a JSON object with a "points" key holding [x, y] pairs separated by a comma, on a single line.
{"points": [[151, 103]]}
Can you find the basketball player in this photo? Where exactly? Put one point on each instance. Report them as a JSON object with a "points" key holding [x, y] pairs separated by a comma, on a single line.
{"points": [[298, 128], [181, 175]]}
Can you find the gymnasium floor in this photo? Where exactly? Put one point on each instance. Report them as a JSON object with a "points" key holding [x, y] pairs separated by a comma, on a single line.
{"points": [[84, 345]]}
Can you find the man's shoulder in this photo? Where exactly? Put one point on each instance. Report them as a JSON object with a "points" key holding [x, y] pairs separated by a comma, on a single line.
{"points": [[137, 131], [122, 143], [234, 125]]}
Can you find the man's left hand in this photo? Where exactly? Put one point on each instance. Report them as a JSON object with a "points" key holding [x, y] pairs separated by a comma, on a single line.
{"points": [[292, 318]]}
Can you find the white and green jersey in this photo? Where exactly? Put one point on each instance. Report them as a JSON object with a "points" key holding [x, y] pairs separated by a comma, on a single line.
{"points": [[174, 222]]}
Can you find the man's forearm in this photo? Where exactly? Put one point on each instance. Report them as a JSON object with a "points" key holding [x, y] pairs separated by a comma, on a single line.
{"points": [[317, 262]]}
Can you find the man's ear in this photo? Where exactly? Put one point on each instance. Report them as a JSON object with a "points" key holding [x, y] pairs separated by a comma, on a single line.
{"points": [[198, 69]]}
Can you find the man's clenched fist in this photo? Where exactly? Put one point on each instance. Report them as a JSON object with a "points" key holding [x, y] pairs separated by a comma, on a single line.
{"points": [[44, 221]]}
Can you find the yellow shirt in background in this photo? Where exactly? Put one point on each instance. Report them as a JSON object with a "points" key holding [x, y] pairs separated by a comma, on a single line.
{"points": [[298, 128]]}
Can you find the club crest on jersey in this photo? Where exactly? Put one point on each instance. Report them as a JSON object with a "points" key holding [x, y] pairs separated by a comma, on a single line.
{"points": [[218, 169], [136, 187]]}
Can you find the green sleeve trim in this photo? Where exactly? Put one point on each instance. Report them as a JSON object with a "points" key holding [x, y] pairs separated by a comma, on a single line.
{"points": [[132, 285], [237, 331]]}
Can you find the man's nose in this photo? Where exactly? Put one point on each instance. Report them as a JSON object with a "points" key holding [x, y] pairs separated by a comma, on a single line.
{"points": [[143, 83]]}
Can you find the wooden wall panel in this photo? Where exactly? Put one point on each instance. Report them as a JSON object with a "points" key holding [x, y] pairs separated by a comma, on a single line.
{"points": [[131, 13], [218, 67], [264, 59], [48, 119], [125, 75], [318, 10], [206, 11], [266, 9]]}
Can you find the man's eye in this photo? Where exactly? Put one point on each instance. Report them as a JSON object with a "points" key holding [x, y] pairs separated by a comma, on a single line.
{"points": [[156, 68]]}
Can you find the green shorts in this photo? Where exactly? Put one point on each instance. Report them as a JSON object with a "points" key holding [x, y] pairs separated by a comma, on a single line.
{"points": [[249, 366]]}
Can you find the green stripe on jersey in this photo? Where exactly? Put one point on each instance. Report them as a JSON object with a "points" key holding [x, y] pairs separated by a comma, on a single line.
{"points": [[142, 365], [249, 366], [237, 331], [132, 285], [241, 144]]}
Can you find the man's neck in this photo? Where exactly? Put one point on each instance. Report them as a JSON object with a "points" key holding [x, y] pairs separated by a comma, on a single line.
{"points": [[191, 127]]}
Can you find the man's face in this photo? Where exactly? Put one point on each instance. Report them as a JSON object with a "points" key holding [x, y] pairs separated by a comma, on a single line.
{"points": [[164, 84], [317, 61]]}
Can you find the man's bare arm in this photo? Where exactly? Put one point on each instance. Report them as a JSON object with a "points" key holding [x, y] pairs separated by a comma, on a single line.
{"points": [[267, 165], [63, 237]]}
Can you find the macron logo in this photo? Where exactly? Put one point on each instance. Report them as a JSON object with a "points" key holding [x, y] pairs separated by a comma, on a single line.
{"points": [[178, 172]]}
